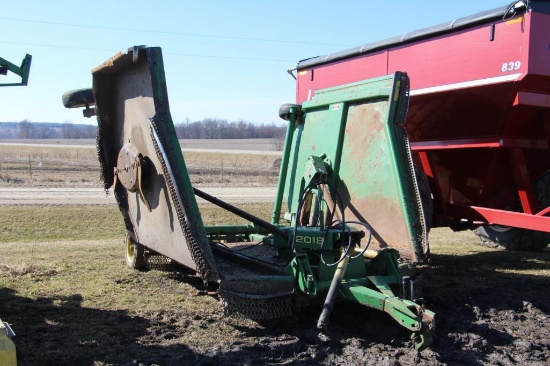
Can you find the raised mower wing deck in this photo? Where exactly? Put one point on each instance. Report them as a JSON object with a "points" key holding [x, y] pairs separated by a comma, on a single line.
{"points": [[357, 130], [140, 153]]}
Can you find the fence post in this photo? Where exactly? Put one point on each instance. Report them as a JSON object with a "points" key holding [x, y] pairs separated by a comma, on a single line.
{"points": [[30, 169]]}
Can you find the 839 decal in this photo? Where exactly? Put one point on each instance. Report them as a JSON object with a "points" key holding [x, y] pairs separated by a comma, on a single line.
{"points": [[510, 66]]}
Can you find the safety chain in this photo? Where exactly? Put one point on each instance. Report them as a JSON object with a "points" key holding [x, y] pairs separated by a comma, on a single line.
{"points": [[204, 268], [256, 306], [401, 115]]}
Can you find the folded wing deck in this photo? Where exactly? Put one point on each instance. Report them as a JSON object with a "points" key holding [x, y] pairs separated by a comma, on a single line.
{"points": [[132, 108]]}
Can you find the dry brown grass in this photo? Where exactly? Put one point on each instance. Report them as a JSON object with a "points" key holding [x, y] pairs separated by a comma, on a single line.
{"points": [[77, 166]]}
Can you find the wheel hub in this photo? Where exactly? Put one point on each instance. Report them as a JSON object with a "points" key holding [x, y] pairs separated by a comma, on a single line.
{"points": [[127, 168]]}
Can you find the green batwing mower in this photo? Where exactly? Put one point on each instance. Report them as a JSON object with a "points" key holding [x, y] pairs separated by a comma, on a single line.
{"points": [[348, 217]]}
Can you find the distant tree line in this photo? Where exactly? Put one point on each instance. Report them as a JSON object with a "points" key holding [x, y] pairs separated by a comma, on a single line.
{"points": [[214, 128], [46, 130], [209, 128]]}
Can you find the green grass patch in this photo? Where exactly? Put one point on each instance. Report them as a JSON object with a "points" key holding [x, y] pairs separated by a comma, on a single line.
{"points": [[47, 223], [50, 223]]}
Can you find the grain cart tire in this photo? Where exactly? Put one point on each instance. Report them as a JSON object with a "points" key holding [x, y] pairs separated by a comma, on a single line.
{"points": [[78, 98], [510, 238], [284, 110], [135, 254]]}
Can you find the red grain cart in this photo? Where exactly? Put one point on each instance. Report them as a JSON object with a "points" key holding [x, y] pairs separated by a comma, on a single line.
{"points": [[479, 117]]}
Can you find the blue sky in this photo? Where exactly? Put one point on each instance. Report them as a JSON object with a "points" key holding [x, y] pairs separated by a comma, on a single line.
{"points": [[223, 59]]}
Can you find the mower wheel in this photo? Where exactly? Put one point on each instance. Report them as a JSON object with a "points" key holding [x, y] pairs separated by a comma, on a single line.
{"points": [[284, 110], [135, 254], [510, 238], [78, 98]]}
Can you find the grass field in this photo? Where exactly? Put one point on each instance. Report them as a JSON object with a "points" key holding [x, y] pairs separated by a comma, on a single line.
{"points": [[71, 300], [49, 223]]}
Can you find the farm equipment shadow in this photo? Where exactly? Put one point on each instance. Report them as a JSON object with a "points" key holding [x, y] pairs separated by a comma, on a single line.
{"points": [[60, 331]]}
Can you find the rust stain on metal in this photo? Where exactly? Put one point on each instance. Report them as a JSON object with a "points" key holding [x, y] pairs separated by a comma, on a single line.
{"points": [[367, 189], [109, 63]]}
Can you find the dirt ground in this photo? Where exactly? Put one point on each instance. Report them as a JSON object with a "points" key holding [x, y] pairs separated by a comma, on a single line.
{"points": [[486, 315], [494, 319]]}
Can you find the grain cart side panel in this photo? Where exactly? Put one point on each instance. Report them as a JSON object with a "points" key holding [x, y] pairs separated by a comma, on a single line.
{"points": [[478, 121], [358, 131], [454, 55], [137, 142]]}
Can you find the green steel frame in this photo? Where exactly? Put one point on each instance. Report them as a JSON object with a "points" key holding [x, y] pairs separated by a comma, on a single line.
{"points": [[346, 173], [23, 71], [351, 136]]}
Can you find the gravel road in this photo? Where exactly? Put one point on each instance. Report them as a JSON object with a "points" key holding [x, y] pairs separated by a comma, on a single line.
{"points": [[97, 196], [221, 146]]}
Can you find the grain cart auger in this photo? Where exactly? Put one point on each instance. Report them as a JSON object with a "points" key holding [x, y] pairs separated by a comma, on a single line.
{"points": [[346, 179]]}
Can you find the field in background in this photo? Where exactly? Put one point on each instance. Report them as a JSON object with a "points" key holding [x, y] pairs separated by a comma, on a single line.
{"points": [[40, 223], [73, 163]]}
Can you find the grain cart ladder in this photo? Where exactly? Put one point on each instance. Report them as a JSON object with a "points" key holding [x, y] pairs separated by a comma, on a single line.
{"points": [[346, 177]]}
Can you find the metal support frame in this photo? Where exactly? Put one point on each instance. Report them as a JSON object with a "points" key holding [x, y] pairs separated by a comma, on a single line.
{"points": [[410, 315], [523, 181], [532, 216], [477, 143], [23, 71], [293, 118], [508, 218]]}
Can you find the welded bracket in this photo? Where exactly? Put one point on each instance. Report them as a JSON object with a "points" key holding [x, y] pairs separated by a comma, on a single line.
{"points": [[408, 314], [304, 274], [22, 70]]}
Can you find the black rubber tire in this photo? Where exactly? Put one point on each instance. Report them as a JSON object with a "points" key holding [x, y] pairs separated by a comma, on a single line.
{"points": [[135, 254], [511, 238], [514, 239], [284, 110], [78, 98]]}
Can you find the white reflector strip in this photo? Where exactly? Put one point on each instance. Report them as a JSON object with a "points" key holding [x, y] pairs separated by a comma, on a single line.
{"points": [[466, 84]]}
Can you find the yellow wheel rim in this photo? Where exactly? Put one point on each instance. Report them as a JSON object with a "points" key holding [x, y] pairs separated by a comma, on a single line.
{"points": [[130, 248]]}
